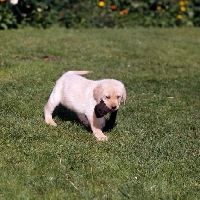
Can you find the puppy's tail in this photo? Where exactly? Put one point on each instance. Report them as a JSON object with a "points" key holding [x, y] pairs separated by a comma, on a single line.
{"points": [[78, 72]]}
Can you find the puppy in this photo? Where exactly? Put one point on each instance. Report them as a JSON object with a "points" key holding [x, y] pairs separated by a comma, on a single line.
{"points": [[89, 99]]}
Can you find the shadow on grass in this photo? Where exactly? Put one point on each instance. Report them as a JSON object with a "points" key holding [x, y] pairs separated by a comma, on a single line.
{"points": [[65, 114]]}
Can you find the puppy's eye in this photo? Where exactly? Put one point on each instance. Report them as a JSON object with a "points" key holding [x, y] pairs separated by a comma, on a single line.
{"points": [[118, 97], [107, 97]]}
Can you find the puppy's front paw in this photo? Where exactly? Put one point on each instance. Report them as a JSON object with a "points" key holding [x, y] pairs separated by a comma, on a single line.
{"points": [[102, 138], [51, 122]]}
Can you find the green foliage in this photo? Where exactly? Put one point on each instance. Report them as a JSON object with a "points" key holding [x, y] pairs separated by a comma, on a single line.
{"points": [[7, 18], [195, 12], [102, 13], [35, 13]]}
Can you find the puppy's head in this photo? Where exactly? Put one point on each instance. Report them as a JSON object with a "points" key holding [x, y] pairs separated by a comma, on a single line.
{"points": [[111, 92]]}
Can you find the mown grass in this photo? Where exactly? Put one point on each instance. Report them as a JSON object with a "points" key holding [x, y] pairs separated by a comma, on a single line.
{"points": [[152, 153]]}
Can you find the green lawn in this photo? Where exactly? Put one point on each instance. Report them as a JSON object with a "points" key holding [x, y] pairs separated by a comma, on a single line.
{"points": [[152, 153]]}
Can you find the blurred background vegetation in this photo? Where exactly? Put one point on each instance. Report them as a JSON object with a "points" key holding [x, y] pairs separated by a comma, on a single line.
{"points": [[99, 13]]}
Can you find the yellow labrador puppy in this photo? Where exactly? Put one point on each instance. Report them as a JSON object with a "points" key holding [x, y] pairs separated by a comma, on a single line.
{"points": [[89, 99]]}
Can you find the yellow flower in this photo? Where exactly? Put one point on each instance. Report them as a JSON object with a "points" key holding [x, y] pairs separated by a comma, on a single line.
{"points": [[2, 0], [101, 3], [182, 3], [159, 8], [183, 9], [179, 16]]}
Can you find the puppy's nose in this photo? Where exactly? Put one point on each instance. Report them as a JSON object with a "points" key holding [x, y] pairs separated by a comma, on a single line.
{"points": [[114, 107]]}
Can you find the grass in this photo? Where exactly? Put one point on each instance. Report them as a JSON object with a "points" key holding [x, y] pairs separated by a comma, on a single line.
{"points": [[152, 153]]}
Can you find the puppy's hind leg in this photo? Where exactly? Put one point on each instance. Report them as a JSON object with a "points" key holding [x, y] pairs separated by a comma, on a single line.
{"points": [[53, 101]]}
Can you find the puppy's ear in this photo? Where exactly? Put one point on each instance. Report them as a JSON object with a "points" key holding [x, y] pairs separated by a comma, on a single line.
{"points": [[97, 93], [124, 95]]}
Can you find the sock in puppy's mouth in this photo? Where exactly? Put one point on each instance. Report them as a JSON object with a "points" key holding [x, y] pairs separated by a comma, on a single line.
{"points": [[101, 109]]}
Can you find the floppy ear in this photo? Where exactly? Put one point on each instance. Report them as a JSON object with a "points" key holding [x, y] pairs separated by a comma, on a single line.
{"points": [[97, 93], [124, 95]]}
